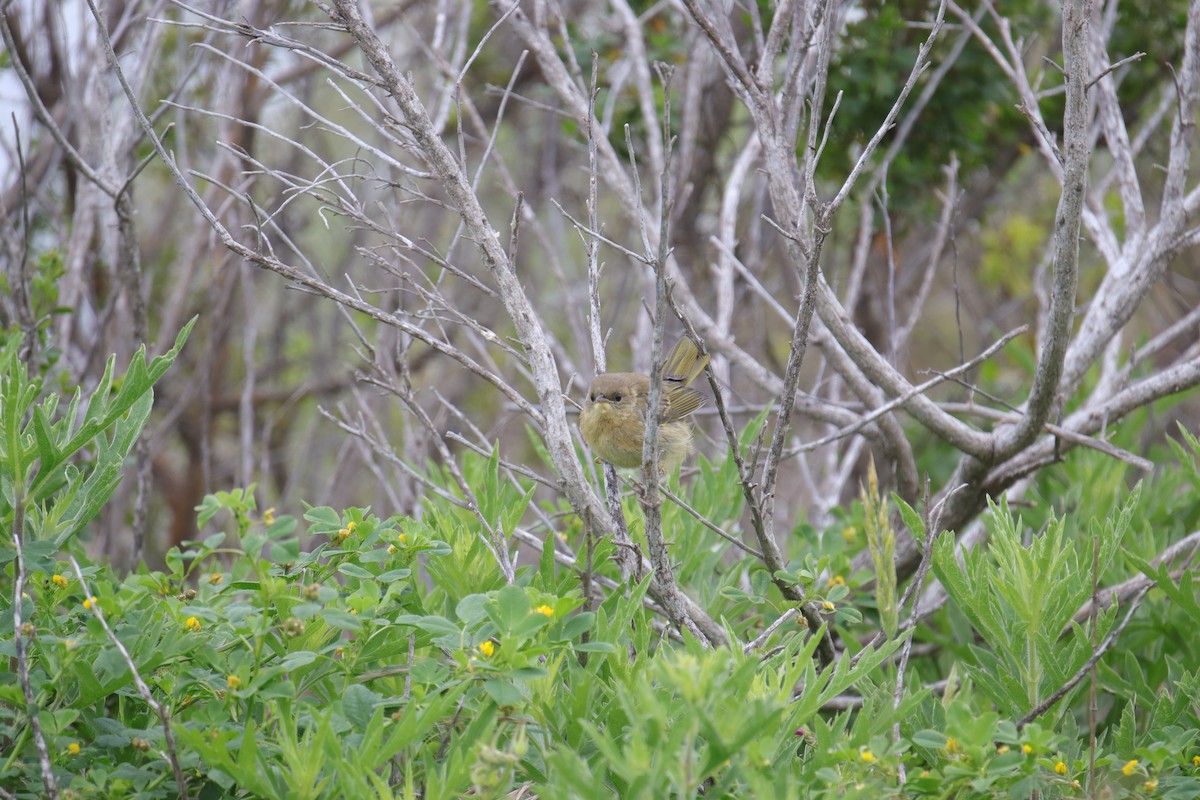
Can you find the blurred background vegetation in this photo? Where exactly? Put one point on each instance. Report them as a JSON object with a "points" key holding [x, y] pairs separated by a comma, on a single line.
{"points": [[243, 404]]}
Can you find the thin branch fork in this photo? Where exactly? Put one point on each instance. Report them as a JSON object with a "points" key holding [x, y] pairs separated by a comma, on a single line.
{"points": [[867, 419], [1138, 56], [1083, 440]]}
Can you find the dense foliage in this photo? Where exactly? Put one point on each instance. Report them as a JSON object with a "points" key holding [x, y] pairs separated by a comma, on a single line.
{"points": [[364, 656]]}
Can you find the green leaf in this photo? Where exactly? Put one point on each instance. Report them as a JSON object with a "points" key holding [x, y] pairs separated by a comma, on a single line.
{"points": [[912, 519], [342, 620], [359, 704], [323, 519], [575, 625], [47, 450], [1183, 594], [472, 609], [439, 626], [503, 692], [354, 571], [934, 740], [298, 659], [512, 607]]}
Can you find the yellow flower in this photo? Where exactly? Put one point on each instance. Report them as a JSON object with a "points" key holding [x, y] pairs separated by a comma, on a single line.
{"points": [[1002, 749], [192, 624], [269, 516], [91, 601], [392, 550], [233, 682], [1196, 761], [73, 748], [545, 610], [487, 648], [216, 578], [1150, 786], [1060, 768], [402, 539], [828, 606], [59, 581], [836, 580], [1026, 749], [867, 756], [850, 534], [351, 525], [1129, 767], [952, 745]]}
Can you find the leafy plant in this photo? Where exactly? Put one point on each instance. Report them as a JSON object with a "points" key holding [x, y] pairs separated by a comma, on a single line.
{"points": [[44, 488], [345, 654], [1005, 593]]}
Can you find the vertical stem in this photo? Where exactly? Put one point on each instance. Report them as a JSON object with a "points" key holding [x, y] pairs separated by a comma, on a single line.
{"points": [[1043, 395], [649, 496], [626, 556], [31, 708], [1093, 709]]}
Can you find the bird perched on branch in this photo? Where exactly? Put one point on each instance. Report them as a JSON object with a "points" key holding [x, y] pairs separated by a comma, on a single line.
{"points": [[613, 420]]}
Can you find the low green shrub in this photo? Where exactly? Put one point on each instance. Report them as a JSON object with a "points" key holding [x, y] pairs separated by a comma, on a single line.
{"points": [[363, 656]]}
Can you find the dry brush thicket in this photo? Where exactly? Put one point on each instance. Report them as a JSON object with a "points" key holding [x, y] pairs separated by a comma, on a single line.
{"points": [[435, 218]]}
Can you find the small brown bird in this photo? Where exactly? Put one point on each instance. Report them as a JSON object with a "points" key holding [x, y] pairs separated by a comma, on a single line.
{"points": [[613, 420]]}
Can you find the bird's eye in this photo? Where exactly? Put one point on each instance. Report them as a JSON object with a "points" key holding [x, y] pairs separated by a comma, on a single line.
{"points": [[592, 397], [617, 397]]}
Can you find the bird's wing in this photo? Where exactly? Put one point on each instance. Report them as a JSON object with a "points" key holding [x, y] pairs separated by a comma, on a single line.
{"points": [[678, 403], [683, 364]]}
